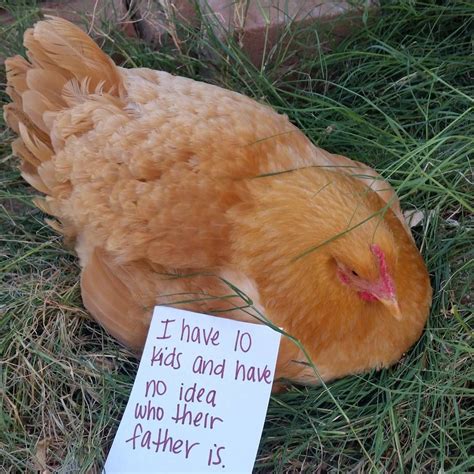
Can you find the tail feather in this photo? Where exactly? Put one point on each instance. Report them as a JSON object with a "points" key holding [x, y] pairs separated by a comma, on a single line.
{"points": [[38, 148], [35, 105], [19, 149], [37, 56], [14, 115], [49, 83], [69, 48], [64, 67], [10, 113], [17, 68], [30, 175]]}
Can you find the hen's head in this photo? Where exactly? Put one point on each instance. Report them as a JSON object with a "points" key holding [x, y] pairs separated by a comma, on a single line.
{"points": [[335, 268], [369, 274]]}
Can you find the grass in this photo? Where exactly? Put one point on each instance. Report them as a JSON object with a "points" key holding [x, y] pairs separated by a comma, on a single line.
{"points": [[398, 94]]}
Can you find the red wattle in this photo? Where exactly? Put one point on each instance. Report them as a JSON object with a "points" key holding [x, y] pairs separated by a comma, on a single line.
{"points": [[366, 296]]}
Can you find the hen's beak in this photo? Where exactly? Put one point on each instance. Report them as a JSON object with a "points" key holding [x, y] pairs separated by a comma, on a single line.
{"points": [[393, 307]]}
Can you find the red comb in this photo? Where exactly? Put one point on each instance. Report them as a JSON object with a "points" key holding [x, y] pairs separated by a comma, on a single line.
{"points": [[384, 275]]}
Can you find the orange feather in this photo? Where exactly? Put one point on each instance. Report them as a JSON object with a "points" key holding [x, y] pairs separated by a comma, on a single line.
{"points": [[173, 189]]}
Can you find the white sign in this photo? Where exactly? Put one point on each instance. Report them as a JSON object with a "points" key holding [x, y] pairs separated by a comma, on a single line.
{"points": [[200, 397]]}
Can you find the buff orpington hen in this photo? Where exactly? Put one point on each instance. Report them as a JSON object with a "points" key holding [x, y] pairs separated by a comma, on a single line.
{"points": [[168, 186]]}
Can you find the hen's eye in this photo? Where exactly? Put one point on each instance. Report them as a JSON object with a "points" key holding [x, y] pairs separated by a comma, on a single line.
{"points": [[354, 273]]}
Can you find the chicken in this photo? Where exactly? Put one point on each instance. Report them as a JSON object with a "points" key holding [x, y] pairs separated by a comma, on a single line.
{"points": [[175, 191]]}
